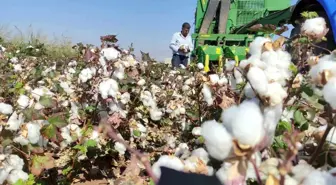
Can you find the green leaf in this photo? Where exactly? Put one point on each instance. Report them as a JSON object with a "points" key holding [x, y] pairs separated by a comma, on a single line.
{"points": [[81, 148], [32, 114], [49, 131], [46, 101], [90, 143], [67, 170], [137, 133], [304, 127], [312, 101], [293, 68], [299, 117], [58, 121], [282, 127], [200, 139], [18, 85]]}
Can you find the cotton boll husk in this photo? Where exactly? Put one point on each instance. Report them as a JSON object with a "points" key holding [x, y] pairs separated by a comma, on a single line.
{"points": [[110, 53], [217, 139], [171, 162], [258, 80], [6, 108], [248, 117], [248, 91], [320, 178], [329, 92], [207, 94], [257, 44], [15, 121], [15, 175]]}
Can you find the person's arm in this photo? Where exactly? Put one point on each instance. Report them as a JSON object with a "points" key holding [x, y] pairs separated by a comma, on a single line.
{"points": [[173, 45]]}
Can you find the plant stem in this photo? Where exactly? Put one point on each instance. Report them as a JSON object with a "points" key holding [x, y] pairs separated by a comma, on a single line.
{"points": [[320, 145], [256, 171]]}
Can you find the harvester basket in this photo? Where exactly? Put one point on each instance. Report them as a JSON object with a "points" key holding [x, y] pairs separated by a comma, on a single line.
{"points": [[249, 10]]}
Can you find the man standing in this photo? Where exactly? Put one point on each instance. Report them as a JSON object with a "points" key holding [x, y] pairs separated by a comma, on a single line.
{"points": [[181, 45]]}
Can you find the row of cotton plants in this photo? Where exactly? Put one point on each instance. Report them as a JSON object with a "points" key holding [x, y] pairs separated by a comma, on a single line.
{"points": [[87, 117]]}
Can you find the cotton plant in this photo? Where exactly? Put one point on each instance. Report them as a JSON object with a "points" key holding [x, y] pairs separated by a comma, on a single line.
{"points": [[11, 169]]}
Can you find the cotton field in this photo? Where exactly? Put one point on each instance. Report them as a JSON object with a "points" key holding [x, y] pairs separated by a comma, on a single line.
{"points": [[106, 117]]}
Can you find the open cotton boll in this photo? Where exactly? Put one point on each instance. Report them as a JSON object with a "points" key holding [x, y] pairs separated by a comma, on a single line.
{"points": [[272, 117], [4, 172], [6, 108], [229, 65], [214, 78], [248, 117], [222, 81], [257, 44], [119, 73], [17, 68], [125, 98], [207, 94], [218, 141], [141, 82], [85, 75], [202, 154], [171, 162], [14, 161], [110, 53], [23, 101], [315, 27], [248, 91], [200, 66], [155, 114], [258, 80], [41, 91], [196, 131], [108, 87], [33, 132], [316, 70], [320, 178], [276, 93], [302, 170], [15, 175], [182, 151], [227, 117], [238, 76], [14, 60], [15, 121], [120, 148], [329, 92]]}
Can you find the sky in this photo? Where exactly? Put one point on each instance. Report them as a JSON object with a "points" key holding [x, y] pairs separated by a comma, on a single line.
{"points": [[148, 24]]}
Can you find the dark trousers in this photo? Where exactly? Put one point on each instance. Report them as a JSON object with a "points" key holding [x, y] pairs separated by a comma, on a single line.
{"points": [[179, 59]]}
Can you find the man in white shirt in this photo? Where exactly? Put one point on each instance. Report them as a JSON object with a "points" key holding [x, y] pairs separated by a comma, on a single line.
{"points": [[181, 45]]}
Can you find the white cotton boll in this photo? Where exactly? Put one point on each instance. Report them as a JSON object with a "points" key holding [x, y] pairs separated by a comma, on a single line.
{"points": [[316, 70], [23, 101], [14, 60], [14, 161], [66, 87], [227, 117], [238, 76], [200, 66], [155, 114], [17, 68], [6, 108], [214, 78], [4, 172], [222, 173], [217, 140], [248, 117], [71, 70], [257, 44], [33, 132], [38, 106], [190, 81], [258, 80], [171, 162], [276, 93], [21, 140], [120, 148], [141, 128], [302, 170], [222, 81], [15, 121], [182, 66], [207, 94], [196, 131], [108, 88], [320, 178], [15, 175], [125, 98], [229, 65], [85, 75], [119, 73], [202, 154], [329, 92], [141, 82], [272, 117], [41, 91], [110, 53], [248, 91], [182, 151], [314, 26]]}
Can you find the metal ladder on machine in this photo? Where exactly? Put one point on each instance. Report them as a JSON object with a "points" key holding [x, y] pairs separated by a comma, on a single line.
{"points": [[208, 18]]}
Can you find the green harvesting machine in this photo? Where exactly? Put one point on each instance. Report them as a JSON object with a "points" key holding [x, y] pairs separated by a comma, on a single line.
{"points": [[222, 27]]}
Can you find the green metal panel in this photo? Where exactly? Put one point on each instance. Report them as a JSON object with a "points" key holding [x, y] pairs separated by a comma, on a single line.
{"points": [[274, 5]]}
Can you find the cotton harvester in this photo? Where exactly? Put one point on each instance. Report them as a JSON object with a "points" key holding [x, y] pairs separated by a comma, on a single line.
{"points": [[222, 26]]}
